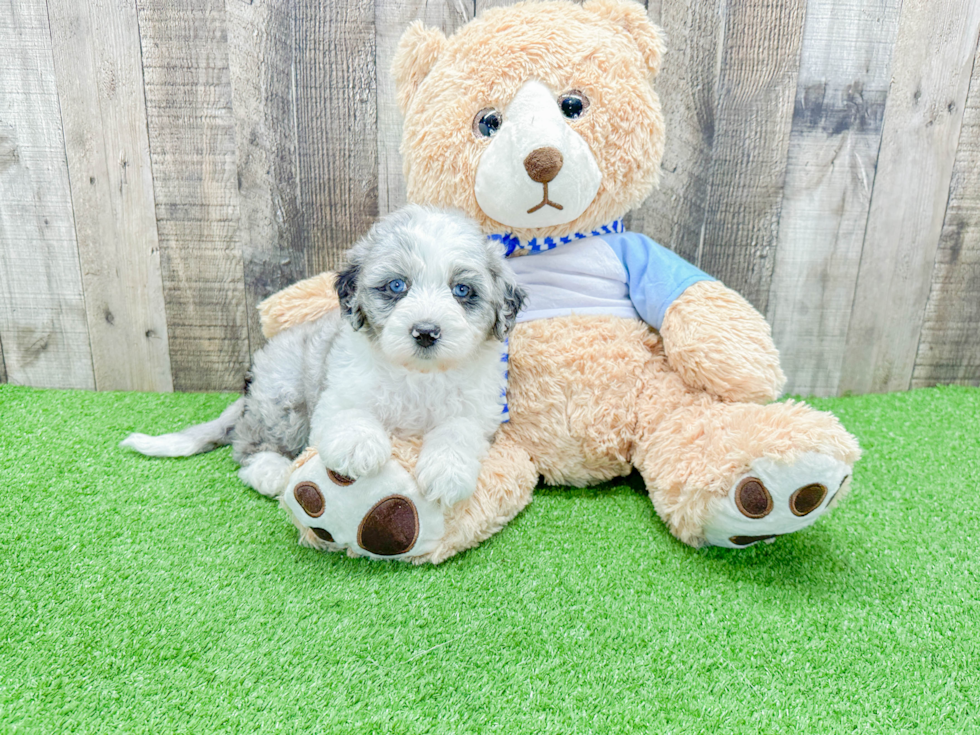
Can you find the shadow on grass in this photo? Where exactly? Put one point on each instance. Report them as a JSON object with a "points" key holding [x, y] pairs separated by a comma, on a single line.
{"points": [[816, 562]]}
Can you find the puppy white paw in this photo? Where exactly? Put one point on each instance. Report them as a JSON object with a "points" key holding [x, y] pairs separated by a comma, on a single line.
{"points": [[267, 472], [446, 477], [776, 498], [355, 453]]}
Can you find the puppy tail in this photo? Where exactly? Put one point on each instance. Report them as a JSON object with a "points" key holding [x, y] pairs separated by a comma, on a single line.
{"points": [[192, 440]]}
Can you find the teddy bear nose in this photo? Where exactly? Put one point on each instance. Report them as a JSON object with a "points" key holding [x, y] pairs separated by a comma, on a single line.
{"points": [[543, 164]]}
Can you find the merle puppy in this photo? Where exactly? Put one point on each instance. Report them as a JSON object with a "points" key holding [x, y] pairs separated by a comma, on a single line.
{"points": [[416, 349]]}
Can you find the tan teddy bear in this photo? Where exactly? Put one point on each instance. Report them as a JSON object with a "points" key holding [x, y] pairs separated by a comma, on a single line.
{"points": [[540, 121]]}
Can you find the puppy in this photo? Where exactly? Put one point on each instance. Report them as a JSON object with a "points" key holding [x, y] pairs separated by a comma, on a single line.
{"points": [[416, 349]]}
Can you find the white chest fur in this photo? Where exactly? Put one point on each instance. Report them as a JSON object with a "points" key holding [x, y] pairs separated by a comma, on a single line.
{"points": [[410, 402]]}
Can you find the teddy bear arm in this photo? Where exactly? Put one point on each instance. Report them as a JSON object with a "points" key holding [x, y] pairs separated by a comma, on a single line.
{"points": [[304, 301], [717, 342]]}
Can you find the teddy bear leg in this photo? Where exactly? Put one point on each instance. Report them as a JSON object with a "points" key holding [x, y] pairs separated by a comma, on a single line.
{"points": [[507, 480], [735, 474]]}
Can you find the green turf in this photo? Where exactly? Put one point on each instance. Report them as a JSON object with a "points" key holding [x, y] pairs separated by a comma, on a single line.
{"points": [[142, 595]]}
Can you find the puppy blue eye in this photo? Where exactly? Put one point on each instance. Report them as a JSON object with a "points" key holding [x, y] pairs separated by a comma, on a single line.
{"points": [[461, 290], [396, 285]]}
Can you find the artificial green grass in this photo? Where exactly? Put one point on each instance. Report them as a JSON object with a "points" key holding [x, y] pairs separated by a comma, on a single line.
{"points": [[149, 595]]}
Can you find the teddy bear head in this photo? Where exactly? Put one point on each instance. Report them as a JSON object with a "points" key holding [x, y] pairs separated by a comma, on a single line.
{"points": [[538, 119]]}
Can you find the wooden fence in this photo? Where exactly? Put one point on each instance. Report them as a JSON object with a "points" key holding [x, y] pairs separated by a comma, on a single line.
{"points": [[166, 164]]}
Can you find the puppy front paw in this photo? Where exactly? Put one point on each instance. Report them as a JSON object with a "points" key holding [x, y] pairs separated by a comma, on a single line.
{"points": [[355, 453], [445, 477]]}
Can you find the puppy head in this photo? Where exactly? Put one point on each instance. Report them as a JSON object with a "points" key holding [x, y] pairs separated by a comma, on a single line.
{"points": [[428, 288]]}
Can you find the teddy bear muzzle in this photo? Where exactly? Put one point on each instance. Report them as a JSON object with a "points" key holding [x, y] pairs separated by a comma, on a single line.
{"points": [[536, 171]]}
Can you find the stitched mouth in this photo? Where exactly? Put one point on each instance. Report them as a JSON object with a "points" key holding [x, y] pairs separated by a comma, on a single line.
{"points": [[545, 201]]}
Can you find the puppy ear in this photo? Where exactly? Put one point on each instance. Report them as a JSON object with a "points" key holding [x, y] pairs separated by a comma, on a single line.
{"points": [[511, 303], [418, 50], [632, 18], [346, 286]]}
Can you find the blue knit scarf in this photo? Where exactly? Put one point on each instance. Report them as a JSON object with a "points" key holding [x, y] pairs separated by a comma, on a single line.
{"points": [[514, 244]]}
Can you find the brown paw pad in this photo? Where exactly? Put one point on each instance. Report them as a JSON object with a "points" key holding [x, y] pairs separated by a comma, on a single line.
{"points": [[752, 498], [807, 499], [323, 533], [391, 527], [310, 498], [338, 479], [746, 540]]}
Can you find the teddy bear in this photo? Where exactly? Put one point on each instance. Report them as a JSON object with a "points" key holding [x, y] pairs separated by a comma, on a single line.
{"points": [[540, 121]]}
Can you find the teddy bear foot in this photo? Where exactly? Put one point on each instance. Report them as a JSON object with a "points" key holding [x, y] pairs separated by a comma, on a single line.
{"points": [[382, 516], [775, 498]]}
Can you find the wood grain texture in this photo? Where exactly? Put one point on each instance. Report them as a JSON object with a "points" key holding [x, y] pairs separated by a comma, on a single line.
{"points": [[840, 101], [100, 79], [272, 239], [756, 88], [195, 171], [674, 214], [949, 345], [3, 366], [336, 126], [392, 17], [480, 5], [654, 9], [42, 309], [931, 68]]}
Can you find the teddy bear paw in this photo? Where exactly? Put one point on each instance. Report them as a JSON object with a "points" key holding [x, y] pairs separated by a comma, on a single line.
{"points": [[382, 516], [775, 498]]}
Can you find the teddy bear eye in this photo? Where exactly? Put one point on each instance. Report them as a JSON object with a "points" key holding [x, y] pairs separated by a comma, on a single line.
{"points": [[573, 104], [487, 122]]}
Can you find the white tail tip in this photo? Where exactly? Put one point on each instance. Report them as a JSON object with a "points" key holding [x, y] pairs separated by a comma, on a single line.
{"points": [[168, 445]]}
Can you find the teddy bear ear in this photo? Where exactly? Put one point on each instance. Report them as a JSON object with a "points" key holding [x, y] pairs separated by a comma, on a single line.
{"points": [[632, 17], [418, 50]]}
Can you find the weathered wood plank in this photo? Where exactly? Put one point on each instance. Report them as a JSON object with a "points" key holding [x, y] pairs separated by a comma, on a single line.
{"points": [[3, 366], [480, 5], [100, 80], [675, 212], [727, 88], [931, 67], [756, 89], [949, 346], [195, 169], [336, 126], [840, 103], [392, 17], [261, 55], [42, 309]]}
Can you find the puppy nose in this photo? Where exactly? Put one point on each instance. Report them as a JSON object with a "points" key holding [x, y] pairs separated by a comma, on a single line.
{"points": [[426, 334], [543, 164]]}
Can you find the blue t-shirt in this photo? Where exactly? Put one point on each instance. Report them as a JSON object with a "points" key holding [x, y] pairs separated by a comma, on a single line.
{"points": [[620, 274]]}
